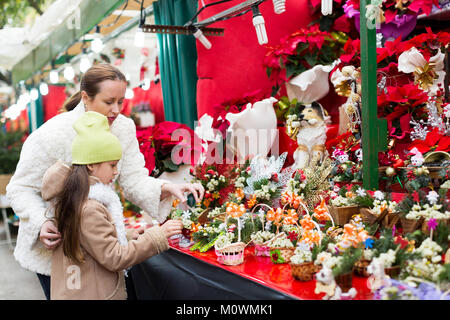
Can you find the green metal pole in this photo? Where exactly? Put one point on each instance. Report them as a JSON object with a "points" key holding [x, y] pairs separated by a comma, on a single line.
{"points": [[373, 129]]}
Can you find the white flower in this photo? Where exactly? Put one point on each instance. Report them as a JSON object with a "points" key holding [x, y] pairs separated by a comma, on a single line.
{"points": [[282, 242], [388, 258], [262, 236], [378, 195], [301, 256], [413, 60], [361, 192]]}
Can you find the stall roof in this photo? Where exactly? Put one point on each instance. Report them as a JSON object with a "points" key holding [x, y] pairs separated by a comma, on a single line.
{"points": [[25, 51]]}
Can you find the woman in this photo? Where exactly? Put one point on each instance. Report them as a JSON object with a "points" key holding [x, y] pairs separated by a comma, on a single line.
{"points": [[102, 89]]}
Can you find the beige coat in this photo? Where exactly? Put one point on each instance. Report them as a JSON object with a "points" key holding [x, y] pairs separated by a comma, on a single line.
{"points": [[101, 275]]}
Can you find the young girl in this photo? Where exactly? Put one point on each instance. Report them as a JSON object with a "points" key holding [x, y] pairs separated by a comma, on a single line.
{"points": [[94, 251]]}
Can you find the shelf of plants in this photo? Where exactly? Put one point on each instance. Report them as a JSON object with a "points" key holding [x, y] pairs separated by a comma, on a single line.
{"points": [[301, 222]]}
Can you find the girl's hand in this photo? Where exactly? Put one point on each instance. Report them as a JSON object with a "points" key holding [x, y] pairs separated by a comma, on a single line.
{"points": [[137, 232], [49, 235], [178, 190], [172, 227]]}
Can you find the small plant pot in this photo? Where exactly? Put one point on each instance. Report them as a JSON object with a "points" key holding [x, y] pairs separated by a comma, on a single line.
{"points": [[342, 215], [344, 281], [410, 225], [368, 216], [304, 271], [281, 255], [393, 271], [360, 267], [231, 255]]}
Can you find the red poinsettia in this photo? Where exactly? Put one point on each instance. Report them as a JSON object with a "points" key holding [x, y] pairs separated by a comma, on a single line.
{"points": [[427, 43], [157, 143], [351, 54], [435, 141], [299, 52], [399, 99]]}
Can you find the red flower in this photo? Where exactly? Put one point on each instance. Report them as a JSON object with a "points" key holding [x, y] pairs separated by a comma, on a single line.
{"points": [[401, 241], [434, 141], [292, 236]]}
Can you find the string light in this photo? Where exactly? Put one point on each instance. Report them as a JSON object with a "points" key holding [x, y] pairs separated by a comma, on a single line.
{"points": [[43, 89]]}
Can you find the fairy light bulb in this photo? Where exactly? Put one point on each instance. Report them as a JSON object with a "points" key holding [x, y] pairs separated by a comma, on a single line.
{"points": [[69, 73], [327, 7], [85, 64], [201, 37], [279, 6], [258, 23], [54, 77], [43, 89], [34, 94], [139, 38]]}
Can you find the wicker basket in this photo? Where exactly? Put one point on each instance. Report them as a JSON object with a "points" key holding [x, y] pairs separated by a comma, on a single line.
{"points": [[285, 254], [342, 215], [304, 271], [368, 216], [344, 281], [4, 180], [231, 255], [360, 267], [410, 225]]}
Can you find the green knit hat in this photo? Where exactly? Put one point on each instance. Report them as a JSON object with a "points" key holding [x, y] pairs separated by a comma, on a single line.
{"points": [[94, 141]]}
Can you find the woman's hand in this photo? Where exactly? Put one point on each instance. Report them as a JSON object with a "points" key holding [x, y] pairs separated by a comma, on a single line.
{"points": [[49, 235], [137, 233], [178, 190], [172, 227]]}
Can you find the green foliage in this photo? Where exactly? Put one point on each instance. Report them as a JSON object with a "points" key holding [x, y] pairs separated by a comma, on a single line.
{"points": [[322, 247], [16, 11], [349, 257], [10, 147], [444, 276], [440, 235]]}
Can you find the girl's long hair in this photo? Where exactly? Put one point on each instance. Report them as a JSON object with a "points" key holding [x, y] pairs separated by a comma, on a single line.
{"points": [[68, 206]]}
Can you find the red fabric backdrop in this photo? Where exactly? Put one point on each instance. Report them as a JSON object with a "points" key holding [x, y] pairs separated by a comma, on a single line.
{"points": [[233, 66], [53, 101], [153, 96]]}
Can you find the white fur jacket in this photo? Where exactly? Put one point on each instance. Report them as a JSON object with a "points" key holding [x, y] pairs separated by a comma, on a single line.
{"points": [[52, 142]]}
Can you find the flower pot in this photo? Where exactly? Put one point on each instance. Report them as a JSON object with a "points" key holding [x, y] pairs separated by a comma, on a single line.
{"points": [[344, 281], [393, 271], [4, 180], [360, 268], [342, 215], [281, 255], [368, 216], [231, 255], [410, 225], [304, 271]]}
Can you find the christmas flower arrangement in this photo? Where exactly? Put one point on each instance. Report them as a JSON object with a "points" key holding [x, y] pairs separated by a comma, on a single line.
{"points": [[308, 185], [218, 181], [399, 290], [266, 179], [427, 265]]}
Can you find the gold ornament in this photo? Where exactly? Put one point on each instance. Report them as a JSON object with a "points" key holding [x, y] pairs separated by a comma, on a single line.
{"points": [[425, 76], [390, 171]]}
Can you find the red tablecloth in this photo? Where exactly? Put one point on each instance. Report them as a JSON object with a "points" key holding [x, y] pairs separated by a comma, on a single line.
{"points": [[275, 276]]}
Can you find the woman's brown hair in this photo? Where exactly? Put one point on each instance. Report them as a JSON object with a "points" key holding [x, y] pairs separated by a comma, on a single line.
{"points": [[68, 206], [90, 82]]}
